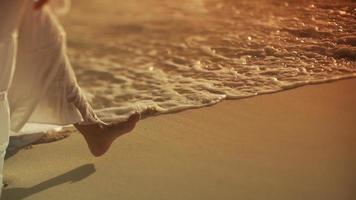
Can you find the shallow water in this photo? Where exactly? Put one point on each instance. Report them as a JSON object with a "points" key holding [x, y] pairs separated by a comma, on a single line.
{"points": [[161, 56]]}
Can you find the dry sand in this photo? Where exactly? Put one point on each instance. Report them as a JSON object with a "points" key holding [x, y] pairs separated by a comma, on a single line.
{"points": [[297, 144]]}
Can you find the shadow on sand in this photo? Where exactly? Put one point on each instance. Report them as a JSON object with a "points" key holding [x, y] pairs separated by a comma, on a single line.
{"points": [[73, 175]]}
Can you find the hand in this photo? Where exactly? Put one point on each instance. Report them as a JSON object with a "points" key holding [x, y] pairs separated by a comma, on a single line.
{"points": [[39, 3]]}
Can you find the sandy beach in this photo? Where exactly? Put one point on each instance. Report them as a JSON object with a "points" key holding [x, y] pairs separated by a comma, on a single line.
{"points": [[157, 57], [296, 144]]}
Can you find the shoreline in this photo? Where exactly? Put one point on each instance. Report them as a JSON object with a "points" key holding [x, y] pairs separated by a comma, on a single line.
{"points": [[67, 130], [295, 144]]}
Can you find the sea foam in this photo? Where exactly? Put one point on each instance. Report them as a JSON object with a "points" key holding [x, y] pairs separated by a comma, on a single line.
{"points": [[160, 56]]}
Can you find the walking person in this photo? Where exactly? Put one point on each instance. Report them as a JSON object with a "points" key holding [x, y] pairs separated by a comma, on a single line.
{"points": [[37, 82]]}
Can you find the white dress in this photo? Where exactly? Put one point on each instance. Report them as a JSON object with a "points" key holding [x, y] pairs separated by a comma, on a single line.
{"points": [[37, 83]]}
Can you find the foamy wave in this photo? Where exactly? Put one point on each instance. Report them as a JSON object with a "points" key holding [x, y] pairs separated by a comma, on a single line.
{"points": [[165, 57]]}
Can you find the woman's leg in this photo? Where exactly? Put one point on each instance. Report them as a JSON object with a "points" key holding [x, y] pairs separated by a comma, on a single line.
{"points": [[10, 15], [4, 132], [49, 80], [42, 39]]}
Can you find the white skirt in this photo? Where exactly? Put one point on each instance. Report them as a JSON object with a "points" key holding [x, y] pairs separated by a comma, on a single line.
{"points": [[35, 71], [37, 82]]}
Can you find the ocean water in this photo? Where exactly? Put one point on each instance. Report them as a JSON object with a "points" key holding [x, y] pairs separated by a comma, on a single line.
{"points": [[160, 56]]}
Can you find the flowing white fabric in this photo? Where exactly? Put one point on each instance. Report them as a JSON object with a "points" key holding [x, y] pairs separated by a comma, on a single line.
{"points": [[60, 7], [10, 15], [4, 127], [37, 83]]}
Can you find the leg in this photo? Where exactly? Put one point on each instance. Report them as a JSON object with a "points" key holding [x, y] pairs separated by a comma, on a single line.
{"points": [[62, 91], [4, 132], [10, 15], [43, 79], [51, 93]]}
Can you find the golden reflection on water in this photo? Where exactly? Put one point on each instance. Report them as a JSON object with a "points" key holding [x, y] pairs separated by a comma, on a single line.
{"points": [[170, 55]]}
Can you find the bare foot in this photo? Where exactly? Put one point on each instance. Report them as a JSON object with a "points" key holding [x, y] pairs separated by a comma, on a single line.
{"points": [[100, 137]]}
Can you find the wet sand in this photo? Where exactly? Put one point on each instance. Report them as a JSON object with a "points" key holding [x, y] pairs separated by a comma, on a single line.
{"points": [[296, 144]]}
